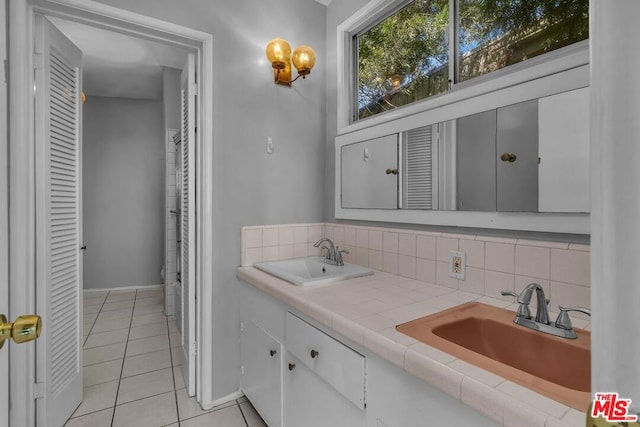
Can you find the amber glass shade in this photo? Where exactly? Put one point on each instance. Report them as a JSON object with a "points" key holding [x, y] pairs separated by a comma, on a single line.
{"points": [[304, 58], [278, 52]]}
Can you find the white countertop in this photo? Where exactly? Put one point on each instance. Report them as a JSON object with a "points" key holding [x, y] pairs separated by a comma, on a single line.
{"points": [[366, 311]]}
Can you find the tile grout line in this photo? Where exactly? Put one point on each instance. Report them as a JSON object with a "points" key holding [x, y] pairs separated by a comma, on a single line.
{"points": [[173, 373], [115, 403], [94, 320], [242, 413]]}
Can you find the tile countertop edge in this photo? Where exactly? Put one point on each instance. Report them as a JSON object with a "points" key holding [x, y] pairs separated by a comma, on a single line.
{"points": [[489, 401]]}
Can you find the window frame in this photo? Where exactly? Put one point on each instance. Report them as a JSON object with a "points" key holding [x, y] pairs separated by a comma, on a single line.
{"points": [[558, 71], [375, 11]]}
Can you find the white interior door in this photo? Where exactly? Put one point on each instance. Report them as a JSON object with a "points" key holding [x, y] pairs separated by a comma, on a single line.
{"points": [[58, 119], [188, 269], [4, 226]]}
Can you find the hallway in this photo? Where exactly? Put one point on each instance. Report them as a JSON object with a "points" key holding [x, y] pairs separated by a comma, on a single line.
{"points": [[131, 368]]}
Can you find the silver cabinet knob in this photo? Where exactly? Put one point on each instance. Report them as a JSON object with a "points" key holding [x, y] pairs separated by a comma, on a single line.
{"points": [[292, 366], [272, 352], [314, 354]]}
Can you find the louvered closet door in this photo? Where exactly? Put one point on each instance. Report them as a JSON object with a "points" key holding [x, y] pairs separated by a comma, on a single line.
{"points": [[420, 169], [59, 225], [188, 271]]}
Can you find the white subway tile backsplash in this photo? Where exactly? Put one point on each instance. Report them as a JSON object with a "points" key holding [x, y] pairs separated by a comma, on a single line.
{"points": [[270, 237], [570, 267], [300, 250], [362, 238], [269, 253], [492, 264], [285, 251], [444, 246], [315, 233], [532, 261], [407, 244], [390, 242], [495, 281], [350, 236], [426, 247], [426, 270], [286, 236], [473, 281], [499, 257], [375, 259], [375, 240], [301, 234], [362, 256], [442, 275], [253, 238], [390, 262], [474, 251], [407, 266]]}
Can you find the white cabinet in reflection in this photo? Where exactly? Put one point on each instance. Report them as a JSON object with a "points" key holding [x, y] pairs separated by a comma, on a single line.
{"points": [[370, 174], [563, 127]]}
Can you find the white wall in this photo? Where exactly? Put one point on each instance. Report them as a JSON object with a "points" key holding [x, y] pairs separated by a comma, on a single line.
{"points": [[251, 187], [123, 192]]}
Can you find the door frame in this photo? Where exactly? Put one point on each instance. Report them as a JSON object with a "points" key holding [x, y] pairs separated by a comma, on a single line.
{"points": [[22, 193]]}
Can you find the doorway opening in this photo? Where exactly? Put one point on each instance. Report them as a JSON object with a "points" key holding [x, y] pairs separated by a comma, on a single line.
{"points": [[23, 177]]}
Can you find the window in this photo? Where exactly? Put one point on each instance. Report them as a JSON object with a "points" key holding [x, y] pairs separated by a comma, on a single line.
{"points": [[405, 57]]}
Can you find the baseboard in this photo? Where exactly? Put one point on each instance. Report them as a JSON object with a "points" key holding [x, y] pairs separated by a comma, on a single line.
{"points": [[228, 398], [125, 288]]}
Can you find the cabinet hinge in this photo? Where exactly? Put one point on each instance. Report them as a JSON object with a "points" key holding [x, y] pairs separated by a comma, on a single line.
{"points": [[38, 390], [194, 89], [38, 61], [242, 370], [241, 326], [194, 349]]}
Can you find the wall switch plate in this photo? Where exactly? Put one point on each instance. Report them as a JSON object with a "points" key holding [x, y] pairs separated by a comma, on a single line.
{"points": [[457, 263], [269, 145]]}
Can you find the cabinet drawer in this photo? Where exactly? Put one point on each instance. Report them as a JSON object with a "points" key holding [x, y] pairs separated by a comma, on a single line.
{"points": [[340, 366]]}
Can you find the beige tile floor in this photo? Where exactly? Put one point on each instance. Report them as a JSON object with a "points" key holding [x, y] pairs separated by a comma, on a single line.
{"points": [[132, 368]]}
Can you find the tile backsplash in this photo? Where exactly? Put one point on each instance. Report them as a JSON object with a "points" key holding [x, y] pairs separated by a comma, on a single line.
{"points": [[492, 264]]}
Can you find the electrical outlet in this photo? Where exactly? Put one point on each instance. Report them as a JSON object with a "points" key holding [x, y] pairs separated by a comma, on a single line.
{"points": [[457, 263]]}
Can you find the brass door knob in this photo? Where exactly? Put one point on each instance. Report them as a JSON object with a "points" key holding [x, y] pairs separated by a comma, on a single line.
{"points": [[25, 328], [392, 171], [508, 157]]}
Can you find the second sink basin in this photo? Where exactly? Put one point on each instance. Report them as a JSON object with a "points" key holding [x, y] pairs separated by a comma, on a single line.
{"points": [[312, 270], [487, 337]]}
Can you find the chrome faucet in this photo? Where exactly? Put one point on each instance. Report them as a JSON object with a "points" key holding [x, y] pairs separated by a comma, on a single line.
{"points": [[334, 254], [562, 326]]}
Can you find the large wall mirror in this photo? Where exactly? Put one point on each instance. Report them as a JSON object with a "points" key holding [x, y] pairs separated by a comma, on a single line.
{"points": [[529, 157]]}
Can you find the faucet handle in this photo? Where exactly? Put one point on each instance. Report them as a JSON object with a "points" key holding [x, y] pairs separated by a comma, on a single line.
{"points": [[509, 294], [564, 321], [523, 309]]}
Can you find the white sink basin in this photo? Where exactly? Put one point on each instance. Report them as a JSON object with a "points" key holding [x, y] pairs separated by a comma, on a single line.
{"points": [[311, 271]]}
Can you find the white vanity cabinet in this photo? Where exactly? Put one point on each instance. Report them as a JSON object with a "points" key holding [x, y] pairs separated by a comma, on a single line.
{"points": [[311, 402], [316, 378], [261, 358], [324, 379]]}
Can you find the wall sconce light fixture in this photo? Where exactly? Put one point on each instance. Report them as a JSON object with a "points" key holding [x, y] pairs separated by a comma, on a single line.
{"points": [[279, 54]]}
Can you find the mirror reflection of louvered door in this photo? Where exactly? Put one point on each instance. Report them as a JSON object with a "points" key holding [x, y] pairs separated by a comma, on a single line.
{"points": [[58, 224], [188, 207]]}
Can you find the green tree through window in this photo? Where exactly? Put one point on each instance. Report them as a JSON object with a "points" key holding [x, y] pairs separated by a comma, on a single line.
{"points": [[405, 57]]}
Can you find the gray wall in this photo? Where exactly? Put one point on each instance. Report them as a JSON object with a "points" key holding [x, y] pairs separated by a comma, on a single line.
{"points": [[251, 187], [123, 192], [170, 98]]}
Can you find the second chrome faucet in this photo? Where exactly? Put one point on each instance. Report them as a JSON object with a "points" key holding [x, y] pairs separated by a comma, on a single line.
{"points": [[334, 254], [561, 327]]}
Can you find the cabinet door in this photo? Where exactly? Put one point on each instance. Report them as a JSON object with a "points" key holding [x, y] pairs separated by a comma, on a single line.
{"points": [[517, 179], [261, 358], [370, 174], [312, 402]]}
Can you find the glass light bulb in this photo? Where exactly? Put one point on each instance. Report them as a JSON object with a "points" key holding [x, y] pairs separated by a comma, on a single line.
{"points": [[304, 58], [278, 52]]}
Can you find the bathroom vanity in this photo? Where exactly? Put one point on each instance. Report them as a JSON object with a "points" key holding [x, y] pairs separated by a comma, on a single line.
{"points": [[297, 371], [304, 362]]}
